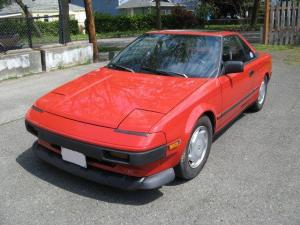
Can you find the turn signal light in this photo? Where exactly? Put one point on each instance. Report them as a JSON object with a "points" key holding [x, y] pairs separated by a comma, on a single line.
{"points": [[174, 145], [119, 155]]}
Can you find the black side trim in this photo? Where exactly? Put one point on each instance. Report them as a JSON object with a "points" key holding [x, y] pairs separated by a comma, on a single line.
{"points": [[104, 177], [98, 152], [237, 104]]}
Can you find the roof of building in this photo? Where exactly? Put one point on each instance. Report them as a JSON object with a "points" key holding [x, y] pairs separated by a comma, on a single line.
{"points": [[37, 6], [144, 4]]}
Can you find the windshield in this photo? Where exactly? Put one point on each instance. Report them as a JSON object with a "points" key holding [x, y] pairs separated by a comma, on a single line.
{"points": [[178, 55]]}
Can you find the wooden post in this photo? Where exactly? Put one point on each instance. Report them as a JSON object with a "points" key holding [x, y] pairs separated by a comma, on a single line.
{"points": [[266, 22], [90, 23], [158, 15]]}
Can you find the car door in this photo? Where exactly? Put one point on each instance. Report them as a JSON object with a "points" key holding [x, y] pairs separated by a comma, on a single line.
{"points": [[235, 87], [253, 66]]}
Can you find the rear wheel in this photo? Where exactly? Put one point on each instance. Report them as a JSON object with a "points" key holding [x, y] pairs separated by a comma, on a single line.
{"points": [[259, 103], [197, 150]]}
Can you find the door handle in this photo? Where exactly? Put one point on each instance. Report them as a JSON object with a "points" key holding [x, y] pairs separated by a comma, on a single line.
{"points": [[251, 73]]}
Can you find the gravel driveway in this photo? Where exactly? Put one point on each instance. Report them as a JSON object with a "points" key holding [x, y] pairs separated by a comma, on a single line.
{"points": [[252, 175]]}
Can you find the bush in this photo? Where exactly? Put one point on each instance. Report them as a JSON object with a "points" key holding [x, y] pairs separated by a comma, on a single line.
{"points": [[180, 18], [13, 26], [108, 23], [206, 10], [74, 27], [52, 28]]}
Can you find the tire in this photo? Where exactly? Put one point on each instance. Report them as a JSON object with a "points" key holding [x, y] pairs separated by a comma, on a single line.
{"points": [[192, 162], [260, 101]]}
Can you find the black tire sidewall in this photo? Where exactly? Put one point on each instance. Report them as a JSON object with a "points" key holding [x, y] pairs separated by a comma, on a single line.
{"points": [[184, 170]]}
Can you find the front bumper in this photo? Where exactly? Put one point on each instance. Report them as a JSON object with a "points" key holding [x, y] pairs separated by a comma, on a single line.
{"points": [[98, 152], [103, 177]]}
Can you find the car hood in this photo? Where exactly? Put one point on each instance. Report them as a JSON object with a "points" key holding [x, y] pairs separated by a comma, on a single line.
{"points": [[106, 97]]}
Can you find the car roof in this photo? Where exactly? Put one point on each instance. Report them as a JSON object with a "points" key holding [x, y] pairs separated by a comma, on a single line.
{"points": [[194, 32]]}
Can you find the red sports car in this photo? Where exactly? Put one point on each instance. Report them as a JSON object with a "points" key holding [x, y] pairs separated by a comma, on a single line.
{"points": [[152, 112]]}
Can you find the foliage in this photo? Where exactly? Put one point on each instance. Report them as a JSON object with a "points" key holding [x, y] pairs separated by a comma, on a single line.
{"points": [[19, 26], [3, 3], [232, 27], [180, 18], [206, 9], [108, 23], [52, 28]]}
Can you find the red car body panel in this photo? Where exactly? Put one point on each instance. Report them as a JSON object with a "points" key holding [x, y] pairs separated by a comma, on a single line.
{"points": [[106, 97], [97, 107]]}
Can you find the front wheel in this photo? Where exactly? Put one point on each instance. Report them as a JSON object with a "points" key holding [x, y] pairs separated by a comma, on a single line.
{"points": [[259, 103], [197, 150]]}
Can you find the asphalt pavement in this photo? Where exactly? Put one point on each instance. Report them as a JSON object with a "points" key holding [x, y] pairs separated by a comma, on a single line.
{"points": [[251, 177]]}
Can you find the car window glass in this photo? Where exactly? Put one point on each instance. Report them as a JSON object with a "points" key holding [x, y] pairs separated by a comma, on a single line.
{"points": [[191, 55], [233, 50], [248, 52]]}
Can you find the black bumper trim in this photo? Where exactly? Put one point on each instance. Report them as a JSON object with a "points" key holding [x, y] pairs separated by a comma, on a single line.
{"points": [[104, 177], [98, 152]]}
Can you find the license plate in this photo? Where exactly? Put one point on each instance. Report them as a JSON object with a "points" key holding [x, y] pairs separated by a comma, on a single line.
{"points": [[74, 157]]}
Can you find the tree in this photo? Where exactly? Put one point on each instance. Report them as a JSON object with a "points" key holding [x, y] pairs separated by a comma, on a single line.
{"points": [[90, 23], [254, 15], [158, 14], [28, 14], [205, 10], [4, 3]]}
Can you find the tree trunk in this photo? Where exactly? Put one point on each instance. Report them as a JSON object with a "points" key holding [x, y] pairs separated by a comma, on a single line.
{"points": [[90, 23], [64, 28], [158, 15], [23, 7], [254, 15]]}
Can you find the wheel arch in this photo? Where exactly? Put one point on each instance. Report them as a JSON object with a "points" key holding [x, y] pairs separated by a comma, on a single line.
{"points": [[196, 114], [212, 118]]}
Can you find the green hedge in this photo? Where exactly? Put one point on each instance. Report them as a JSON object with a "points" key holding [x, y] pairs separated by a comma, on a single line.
{"points": [[19, 26], [179, 19], [108, 23], [52, 28]]}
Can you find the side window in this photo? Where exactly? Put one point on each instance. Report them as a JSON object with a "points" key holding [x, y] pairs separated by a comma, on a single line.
{"points": [[233, 50], [248, 52]]}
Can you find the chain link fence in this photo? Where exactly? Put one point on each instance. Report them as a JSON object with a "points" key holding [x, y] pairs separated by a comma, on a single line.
{"points": [[32, 32]]}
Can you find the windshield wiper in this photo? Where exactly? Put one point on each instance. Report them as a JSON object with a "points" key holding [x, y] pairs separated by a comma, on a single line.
{"points": [[161, 72], [113, 65]]}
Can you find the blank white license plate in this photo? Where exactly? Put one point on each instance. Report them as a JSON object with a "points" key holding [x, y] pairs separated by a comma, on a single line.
{"points": [[74, 157]]}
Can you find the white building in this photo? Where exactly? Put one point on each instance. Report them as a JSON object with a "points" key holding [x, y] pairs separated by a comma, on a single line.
{"points": [[44, 8], [142, 7]]}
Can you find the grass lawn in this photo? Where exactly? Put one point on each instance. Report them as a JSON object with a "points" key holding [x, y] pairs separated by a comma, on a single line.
{"points": [[232, 27], [289, 53]]}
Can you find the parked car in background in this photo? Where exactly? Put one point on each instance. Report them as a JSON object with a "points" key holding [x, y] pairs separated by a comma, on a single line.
{"points": [[152, 112]]}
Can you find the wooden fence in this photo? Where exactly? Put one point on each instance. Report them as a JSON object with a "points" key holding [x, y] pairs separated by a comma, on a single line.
{"points": [[285, 23]]}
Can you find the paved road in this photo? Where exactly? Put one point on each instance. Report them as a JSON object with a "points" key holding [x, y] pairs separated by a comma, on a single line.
{"points": [[251, 177], [116, 42]]}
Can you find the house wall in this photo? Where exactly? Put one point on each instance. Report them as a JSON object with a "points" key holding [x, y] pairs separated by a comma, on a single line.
{"points": [[80, 16], [144, 11], [102, 6]]}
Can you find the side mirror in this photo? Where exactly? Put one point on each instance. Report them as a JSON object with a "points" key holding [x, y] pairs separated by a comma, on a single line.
{"points": [[233, 67]]}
